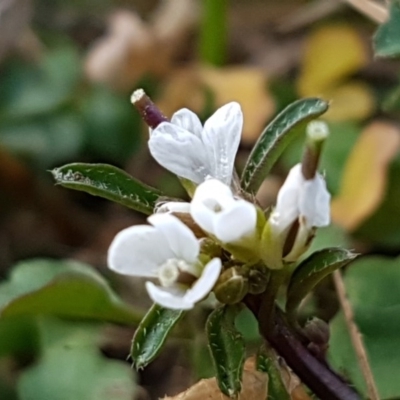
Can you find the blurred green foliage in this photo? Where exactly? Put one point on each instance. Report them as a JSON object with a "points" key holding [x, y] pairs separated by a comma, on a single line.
{"points": [[372, 287], [49, 115], [37, 292]]}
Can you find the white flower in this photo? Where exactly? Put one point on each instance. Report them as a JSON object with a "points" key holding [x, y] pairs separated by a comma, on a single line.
{"points": [[217, 212], [169, 251], [194, 152], [301, 198], [302, 202]]}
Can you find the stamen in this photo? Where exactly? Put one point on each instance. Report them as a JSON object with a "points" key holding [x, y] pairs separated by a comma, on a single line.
{"points": [[175, 271]]}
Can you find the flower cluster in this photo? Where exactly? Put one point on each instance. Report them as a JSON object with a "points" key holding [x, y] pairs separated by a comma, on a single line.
{"points": [[172, 249]]}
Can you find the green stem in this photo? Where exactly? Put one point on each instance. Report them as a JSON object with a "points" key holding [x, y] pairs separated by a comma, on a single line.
{"points": [[267, 308], [213, 36]]}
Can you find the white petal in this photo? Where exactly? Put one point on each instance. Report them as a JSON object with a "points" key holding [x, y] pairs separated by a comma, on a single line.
{"points": [[314, 203], [180, 238], [209, 196], [221, 136], [173, 206], [188, 120], [205, 283], [202, 215], [237, 222], [168, 298], [213, 188], [138, 250], [287, 204], [179, 151]]}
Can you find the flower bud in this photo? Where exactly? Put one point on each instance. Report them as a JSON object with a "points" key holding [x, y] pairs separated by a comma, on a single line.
{"points": [[258, 279], [317, 331], [210, 247], [231, 286]]}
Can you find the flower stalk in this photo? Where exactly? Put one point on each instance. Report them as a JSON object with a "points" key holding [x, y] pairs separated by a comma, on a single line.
{"points": [[317, 133]]}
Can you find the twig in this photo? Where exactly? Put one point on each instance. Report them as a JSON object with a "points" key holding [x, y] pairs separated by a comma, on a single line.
{"points": [[377, 12], [355, 337]]}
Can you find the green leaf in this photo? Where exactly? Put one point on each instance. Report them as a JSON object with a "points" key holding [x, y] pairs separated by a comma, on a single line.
{"points": [[45, 140], [61, 288], [29, 91], [113, 130], [247, 324], [227, 348], [19, 337], [312, 270], [387, 37], [109, 182], [276, 137], [267, 362], [6, 390], [72, 367], [152, 333], [372, 285]]}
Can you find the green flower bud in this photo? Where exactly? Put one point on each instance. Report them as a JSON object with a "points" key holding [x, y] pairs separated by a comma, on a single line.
{"points": [[231, 287], [317, 331], [258, 279], [210, 247]]}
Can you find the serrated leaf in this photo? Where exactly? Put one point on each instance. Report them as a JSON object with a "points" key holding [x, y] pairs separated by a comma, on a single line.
{"points": [[387, 37], [108, 182], [152, 333], [266, 363], [61, 288], [227, 348], [312, 270], [276, 137]]}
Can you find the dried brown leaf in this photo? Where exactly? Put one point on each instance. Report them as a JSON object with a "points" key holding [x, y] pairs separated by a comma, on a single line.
{"points": [[254, 387]]}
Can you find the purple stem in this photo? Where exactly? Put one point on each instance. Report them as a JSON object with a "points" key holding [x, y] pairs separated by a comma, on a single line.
{"points": [[324, 382]]}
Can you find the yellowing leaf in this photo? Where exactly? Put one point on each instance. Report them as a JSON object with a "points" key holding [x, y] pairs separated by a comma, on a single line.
{"points": [[365, 176], [352, 101], [332, 53], [246, 85]]}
